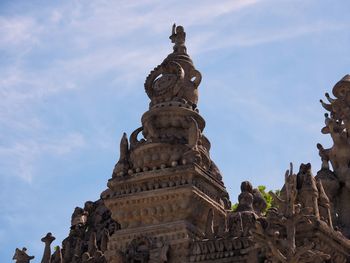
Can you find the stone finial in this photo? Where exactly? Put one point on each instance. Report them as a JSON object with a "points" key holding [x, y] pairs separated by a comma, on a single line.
{"points": [[48, 239], [21, 256], [178, 37]]}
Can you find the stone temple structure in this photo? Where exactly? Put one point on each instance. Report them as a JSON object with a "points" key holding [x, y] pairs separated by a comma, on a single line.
{"points": [[166, 201]]}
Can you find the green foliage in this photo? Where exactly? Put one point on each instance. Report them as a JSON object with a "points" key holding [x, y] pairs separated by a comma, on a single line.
{"points": [[234, 207], [268, 196]]}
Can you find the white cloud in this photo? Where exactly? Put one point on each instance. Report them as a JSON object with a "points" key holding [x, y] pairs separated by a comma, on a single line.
{"points": [[18, 31]]}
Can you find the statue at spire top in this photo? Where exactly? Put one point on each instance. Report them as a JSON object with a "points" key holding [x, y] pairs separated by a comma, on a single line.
{"points": [[178, 36]]}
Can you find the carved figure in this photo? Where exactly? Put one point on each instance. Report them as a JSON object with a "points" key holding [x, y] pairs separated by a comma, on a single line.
{"points": [[307, 190], [324, 154], [21, 256], [245, 199], [178, 37]]}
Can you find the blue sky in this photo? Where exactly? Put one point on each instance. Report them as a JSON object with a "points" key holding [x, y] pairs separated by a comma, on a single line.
{"points": [[71, 82]]}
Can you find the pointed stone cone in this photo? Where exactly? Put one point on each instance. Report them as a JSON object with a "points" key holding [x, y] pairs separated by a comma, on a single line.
{"points": [[92, 246], [48, 239], [104, 240]]}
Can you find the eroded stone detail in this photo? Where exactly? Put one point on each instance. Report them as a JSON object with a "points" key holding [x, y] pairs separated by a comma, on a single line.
{"points": [[336, 182], [295, 231]]}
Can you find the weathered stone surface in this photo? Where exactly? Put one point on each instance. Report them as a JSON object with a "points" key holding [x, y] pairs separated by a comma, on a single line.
{"points": [[337, 182], [295, 232]]}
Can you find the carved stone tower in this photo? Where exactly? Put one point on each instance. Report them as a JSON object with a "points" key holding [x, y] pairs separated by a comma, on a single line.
{"points": [[165, 185]]}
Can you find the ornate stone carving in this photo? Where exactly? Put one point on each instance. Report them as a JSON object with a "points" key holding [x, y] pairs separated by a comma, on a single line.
{"points": [[337, 182], [175, 79], [293, 231]]}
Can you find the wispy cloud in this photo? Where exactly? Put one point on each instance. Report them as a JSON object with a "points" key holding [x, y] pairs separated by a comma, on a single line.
{"points": [[18, 31], [78, 42], [19, 159]]}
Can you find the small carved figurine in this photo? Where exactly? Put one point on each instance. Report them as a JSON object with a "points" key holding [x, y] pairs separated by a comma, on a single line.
{"points": [[178, 37]]}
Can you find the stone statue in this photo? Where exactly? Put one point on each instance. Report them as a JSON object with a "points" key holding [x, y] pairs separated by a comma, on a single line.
{"points": [[307, 190], [324, 154], [243, 218], [21, 256], [178, 37], [245, 199]]}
